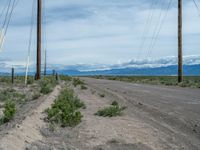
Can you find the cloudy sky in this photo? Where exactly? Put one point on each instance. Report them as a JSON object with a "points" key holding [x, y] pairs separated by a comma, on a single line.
{"points": [[102, 31]]}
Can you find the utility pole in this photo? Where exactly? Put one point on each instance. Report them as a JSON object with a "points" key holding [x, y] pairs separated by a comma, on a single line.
{"points": [[180, 48], [39, 38]]}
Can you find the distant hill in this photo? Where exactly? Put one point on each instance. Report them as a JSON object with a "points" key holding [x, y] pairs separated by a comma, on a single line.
{"points": [[189, 70], [159, 71]]}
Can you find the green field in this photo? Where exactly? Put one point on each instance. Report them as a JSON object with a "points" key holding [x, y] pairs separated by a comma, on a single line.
{"points": [[189, 81]]}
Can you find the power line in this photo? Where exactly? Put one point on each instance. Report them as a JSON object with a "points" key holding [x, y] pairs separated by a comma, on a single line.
{"points": [[2, 32], [156, 28], [147, 26], [159, 28], [7, 13], [3, 10], [10, 16], [196, 5]]}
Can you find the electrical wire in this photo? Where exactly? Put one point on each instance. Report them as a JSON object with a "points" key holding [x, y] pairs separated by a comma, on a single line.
{"points": [[8, 15], [159, 28], [147, 27], [156, 27], [197, 7], [3, 10]]}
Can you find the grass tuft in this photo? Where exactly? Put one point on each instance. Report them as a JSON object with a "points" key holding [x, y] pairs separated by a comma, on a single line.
{"points": [[111, 111], [9, 112], [47, 84], [77, 81], [83, 87], [102, 95]]}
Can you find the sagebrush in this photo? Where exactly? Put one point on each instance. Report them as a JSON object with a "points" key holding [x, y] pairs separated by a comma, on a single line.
{"points": [[65, 111]]}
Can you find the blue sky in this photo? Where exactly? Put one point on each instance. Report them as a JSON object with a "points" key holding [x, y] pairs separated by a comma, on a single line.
{"points": [[100, 31]]}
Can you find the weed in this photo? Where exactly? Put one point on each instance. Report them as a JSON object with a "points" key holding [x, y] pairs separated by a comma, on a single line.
{"points": [[83, 87], [47, 85], [64, 111], [30, 80], [102, 95], [114, 103], [45, 88], [11, 94], [65, 78], [77, 81], [111, 111], [35, 96], [9, 111], [52, 127]]}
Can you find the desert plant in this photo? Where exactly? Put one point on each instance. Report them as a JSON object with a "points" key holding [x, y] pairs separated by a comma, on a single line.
{"points": [[46, 88], [11, 94], [102, 95], [30, 80], [35, 96], [64, 111], [114, 103], [65, 78], [77, 81], [83, 87], [9, 111], [110, 111], [47, 84]]}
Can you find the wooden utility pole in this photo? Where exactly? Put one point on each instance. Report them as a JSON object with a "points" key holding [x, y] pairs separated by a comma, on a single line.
{"points": [[39, 38], [180, 48]]}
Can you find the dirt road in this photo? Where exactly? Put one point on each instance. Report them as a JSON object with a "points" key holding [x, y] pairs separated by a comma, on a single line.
{"points": [[168, 115]]}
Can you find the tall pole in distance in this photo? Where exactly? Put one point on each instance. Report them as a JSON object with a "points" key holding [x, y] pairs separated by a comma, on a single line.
{"points": [[39, 38], [180, 48]]}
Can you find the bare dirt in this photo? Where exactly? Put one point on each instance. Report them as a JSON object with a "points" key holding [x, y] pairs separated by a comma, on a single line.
{"points": [[156, 118]]}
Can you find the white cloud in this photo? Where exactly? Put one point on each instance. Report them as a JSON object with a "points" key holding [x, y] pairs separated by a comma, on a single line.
{"points": [[100, 31]]}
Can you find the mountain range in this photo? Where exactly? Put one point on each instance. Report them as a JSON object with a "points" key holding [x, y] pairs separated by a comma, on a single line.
{"points": [[151, 67]]}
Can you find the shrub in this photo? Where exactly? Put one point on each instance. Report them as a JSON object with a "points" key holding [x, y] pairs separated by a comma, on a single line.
{"points": [[9, 111], [65, 78], [45, 89], [77, 81], [47, 84], [83, 87], [35, 96], [11, 94], [30, 80], [111, 111], [64, 111], [115, 103], [102, 95]]}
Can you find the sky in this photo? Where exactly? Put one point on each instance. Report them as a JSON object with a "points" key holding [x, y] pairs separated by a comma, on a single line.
{"points": [[100, 31]]}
